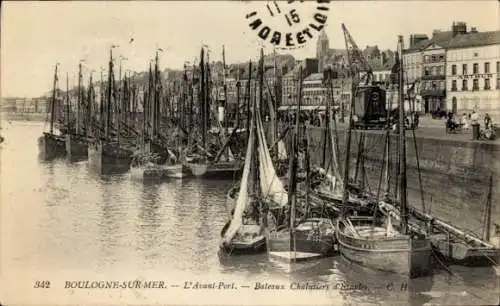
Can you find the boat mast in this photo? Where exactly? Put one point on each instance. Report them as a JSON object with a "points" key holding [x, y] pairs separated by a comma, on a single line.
{"points": [[238, 87], [292, 190], [276, 103], [353, 72], [68, 109], [249, 88], [402, 144], [91, 101], [108, 98], [225, 90], [203, 98], [79, 100], [53, 106]]}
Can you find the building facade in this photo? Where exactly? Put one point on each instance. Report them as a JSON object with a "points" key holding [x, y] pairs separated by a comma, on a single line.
{"points": [[314, 93], [473, 74], [433, 78]]}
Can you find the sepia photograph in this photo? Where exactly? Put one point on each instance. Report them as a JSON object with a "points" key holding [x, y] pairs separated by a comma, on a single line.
{"points": [[243, 152]]}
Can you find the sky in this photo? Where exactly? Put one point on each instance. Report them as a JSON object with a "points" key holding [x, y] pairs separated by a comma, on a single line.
{"points": [[36, 35]]}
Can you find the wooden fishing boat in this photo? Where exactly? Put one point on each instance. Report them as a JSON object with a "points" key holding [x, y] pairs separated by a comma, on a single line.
{"points": [[207, 169], [373, 242], [108, 157], [455, 245], [245, 234], [51, 145], [76, 147], [242, 234], [366, 241], [309, 239]]}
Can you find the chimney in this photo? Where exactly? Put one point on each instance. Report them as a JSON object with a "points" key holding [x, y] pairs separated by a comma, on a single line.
{"points": [[416, 38], [459, 28]]}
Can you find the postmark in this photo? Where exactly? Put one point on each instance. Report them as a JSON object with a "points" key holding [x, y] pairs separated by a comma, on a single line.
{"points": [[288, 25]]}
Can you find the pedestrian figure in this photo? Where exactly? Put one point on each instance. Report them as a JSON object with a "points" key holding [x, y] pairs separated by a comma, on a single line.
{"points": [[487, 121]]}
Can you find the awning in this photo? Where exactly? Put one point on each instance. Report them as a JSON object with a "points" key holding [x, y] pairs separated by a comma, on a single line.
{"points": [[304, 107]]}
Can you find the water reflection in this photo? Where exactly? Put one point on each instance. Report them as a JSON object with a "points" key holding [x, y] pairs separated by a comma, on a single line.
{"points": [[72, 219], [148, 226]]}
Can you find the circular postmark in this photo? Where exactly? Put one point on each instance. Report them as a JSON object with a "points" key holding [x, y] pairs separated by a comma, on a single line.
{"points": [[288, 24]]}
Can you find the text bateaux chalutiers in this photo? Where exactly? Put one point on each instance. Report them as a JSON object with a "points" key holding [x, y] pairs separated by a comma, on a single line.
{"points": [[221, 285]]}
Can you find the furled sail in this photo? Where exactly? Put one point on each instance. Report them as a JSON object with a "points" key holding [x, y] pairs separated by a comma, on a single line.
{"points": [[270, 185], [243, 197], [282, 154]]}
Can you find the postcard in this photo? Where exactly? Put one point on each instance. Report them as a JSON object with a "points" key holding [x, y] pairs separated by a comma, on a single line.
{"points": [[250, 153]]}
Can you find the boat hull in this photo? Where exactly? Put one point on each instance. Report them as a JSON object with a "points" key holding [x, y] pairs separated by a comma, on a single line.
{"points": [[402, 254], [108, 158], [310, 241], [76, 147], [51, 146], [177, 171], [215, 170], [459, 252], [146, 173], [248, 241]]}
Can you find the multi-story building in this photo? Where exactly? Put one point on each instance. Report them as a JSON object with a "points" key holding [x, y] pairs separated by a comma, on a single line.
{"points": [[433, 77], [290, 82], [473, 73], [314, 93]]}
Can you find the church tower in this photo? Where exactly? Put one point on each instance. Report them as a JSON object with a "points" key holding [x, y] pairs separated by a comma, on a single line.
{"points": [[322, 47]]}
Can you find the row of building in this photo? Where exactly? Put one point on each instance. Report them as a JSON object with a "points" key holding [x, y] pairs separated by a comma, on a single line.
{"points": [[456, 70]]}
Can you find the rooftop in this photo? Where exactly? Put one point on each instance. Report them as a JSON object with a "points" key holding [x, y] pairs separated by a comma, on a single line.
{"points": [[475, 39], [314, 77]]}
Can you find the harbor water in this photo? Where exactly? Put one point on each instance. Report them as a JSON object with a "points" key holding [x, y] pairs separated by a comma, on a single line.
{"points": [[60, 223]]}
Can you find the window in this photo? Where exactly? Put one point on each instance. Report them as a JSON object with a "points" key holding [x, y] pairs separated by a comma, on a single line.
{"points": [[453, 69], [426, 71], [433, 58], [434, 70], [487, 84], [426, 58], [486, 67], [454, 85], [441, 58], [464, 69], [475, 84], [475, 68], [464, 85], [498, 66], [498, 83]]}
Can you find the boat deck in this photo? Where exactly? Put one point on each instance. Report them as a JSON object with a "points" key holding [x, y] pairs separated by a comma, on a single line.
{"points": [[291, 256]]}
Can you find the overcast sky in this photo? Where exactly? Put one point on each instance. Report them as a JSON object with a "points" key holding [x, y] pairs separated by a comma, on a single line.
{"points": [[36, 35]]}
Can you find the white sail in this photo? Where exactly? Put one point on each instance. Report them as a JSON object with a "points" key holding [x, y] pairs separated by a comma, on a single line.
{"points": [[271, 187], [335, 161], [282, 154], [243, 197]]}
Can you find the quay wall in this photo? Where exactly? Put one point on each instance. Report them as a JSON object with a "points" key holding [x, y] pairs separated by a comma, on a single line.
{"points": [[456, 175]]}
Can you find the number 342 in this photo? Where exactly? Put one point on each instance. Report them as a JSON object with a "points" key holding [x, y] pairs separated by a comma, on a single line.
{"points": [[41, 284]]}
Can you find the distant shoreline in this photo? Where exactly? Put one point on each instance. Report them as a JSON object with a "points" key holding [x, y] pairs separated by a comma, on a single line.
{"points": [[37, 117]]}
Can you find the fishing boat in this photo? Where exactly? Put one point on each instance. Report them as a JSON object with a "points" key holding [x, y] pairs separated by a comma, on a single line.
{"points": [[242, 234], [245, 232], [51, 145], [204, 164], [106, 153], [310, 238], [374, 242], [77, 139]]}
